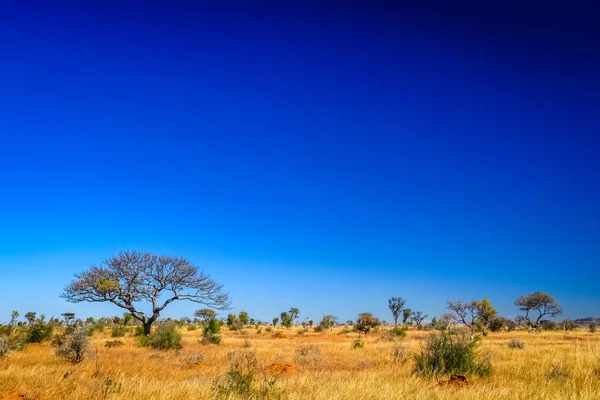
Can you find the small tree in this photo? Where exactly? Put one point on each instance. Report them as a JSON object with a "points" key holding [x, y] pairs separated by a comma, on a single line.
{"points": [[474, 314], [132, 278], [406, 315], [275, 321], [286, 320], [366, 322], [233, 322], [74, 344], [396, 304], [418, 318], [244, 319], [327, 322], [205, 314], [212, 332], [538, 303], [294, 313]]}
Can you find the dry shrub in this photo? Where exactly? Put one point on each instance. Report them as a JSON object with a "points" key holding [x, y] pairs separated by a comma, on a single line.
{"points": [[308, 354]]}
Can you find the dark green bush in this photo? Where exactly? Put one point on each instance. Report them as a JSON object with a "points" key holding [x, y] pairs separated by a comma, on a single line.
{"points": [[446, 353], [212, 332], [400, 331], [166, 337], [39, 332]]}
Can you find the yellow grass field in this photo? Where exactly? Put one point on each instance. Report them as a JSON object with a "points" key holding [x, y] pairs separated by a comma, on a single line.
{"points": [[338, 372]]}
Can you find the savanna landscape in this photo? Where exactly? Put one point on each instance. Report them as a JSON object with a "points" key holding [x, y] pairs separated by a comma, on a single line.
{"points": [[299, 200], [468, 352]]}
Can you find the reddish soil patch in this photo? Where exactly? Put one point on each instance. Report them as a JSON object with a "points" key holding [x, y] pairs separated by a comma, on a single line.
{"points": [[280, 335], [455, 381], [278, 368]]}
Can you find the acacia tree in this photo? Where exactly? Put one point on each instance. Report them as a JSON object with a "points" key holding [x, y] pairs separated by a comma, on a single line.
{"points": [[539, 302], [474, 315], [418, 318], [132, 278], [205, 314], [396, 304]]}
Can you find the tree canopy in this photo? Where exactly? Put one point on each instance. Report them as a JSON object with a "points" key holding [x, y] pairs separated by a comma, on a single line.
{"points": [[131, 278]]}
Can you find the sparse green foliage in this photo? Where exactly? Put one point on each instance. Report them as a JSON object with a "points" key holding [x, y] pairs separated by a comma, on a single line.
{"points": [[444, 353], [516, 344], [233, 322], [73, 345], [396, 304]]}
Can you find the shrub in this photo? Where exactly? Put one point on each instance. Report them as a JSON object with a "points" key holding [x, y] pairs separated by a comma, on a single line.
{"points": [[138, 331], [238, 382], [212, 332], [592, 327], [399, 354], [557, 372], [113, 343], [345, 330], [5, 347], [118, 331], [73, 345], [308, 354], [516, 344], [549, 326], [400, 331], [166, 337], [445, 353], [357, 344], [268, 329], [39, 332]]}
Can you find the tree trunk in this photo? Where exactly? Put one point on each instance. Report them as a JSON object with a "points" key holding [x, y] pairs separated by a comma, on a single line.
{"points": [[147, 327]]}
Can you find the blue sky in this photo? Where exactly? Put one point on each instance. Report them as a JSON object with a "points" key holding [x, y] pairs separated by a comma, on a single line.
{"points": [[324, 156]]}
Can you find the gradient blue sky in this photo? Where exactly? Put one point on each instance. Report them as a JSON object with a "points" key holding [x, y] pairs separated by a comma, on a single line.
{"points": [[325, 156]]}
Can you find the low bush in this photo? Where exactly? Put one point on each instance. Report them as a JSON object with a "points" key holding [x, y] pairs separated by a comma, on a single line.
{"points": [[446, 353], [118, 331], [166, 337], [5, 347], [113, 343], [516, 344], [212, 332], [308, 354], [557, 372], [74, 344], [39, 332], [357, 344]]}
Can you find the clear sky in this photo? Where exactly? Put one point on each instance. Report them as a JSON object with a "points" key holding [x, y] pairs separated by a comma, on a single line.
{"points": [[325, 156]]}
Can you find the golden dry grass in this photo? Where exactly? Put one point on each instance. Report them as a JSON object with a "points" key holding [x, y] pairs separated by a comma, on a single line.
{"points": [[130, 372]]}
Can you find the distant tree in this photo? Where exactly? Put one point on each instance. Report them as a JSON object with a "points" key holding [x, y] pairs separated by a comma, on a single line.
{"points": [[275, 321], [592, 327], [406, 315], [244, 319], [538, 303], [474, 315], [69, 317], [497, 324], [310, 323], [568, 325], [30, 317], [510, 325], [286, 319], [396, 304], [418, 318], [14, 319], [327, 322], [133, 277], [205, 314], [366, 322], [233, 322], [294, 313]]}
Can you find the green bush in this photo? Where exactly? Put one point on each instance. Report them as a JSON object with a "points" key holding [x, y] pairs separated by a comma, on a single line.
{"points": [[39, 332], [400, 331], [451, 354], [166, 337], [118, 331], [212, 332]]}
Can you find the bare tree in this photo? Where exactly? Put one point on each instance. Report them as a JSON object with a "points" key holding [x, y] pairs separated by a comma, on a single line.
{"points": [[396, 304], [133, 277], [465, 312], [418, 318], [539, 302]]}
